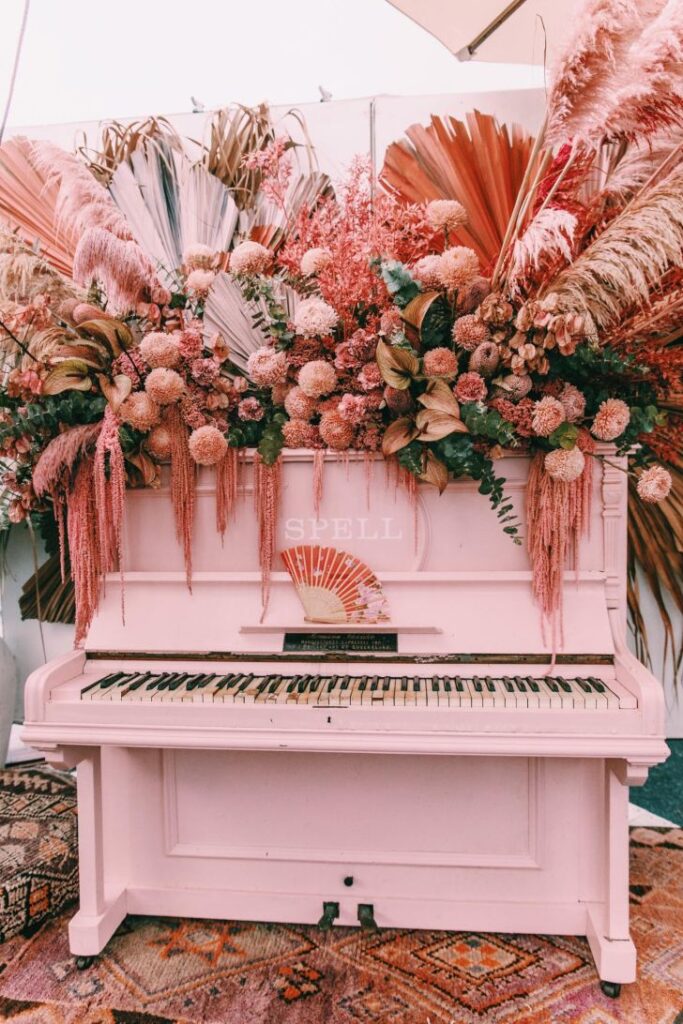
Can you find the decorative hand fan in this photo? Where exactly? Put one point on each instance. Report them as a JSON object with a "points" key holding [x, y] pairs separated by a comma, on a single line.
{"points": [[334, 586]]}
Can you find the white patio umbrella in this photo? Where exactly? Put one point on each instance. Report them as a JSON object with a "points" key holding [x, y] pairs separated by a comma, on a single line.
{"points": [[520, 32]]}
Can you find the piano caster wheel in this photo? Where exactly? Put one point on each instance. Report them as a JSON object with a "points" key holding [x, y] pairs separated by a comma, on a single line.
{"points": [[84, 962], [330, 912], [611, 989], [366, 917]]}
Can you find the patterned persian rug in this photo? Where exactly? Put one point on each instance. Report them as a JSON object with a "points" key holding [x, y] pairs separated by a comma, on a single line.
{"points": [[38, 863], [163, 971]]}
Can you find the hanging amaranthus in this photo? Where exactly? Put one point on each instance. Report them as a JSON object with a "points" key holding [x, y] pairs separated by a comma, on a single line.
{"points": [[227, 475], [84, 549], [109, 476], [267, 485], [558, 515], [182, 485], [318, 469]]}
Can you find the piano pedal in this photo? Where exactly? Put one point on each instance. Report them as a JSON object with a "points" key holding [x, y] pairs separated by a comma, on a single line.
{"points": [[611, 989], [84, 962], [330, 912], [366, 917]]}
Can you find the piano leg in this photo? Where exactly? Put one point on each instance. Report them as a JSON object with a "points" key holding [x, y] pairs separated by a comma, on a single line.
{"points": [[100, 912], [608, 923]]}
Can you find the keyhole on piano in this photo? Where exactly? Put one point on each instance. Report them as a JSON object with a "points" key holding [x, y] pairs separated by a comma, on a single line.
{"points": [[348, 881], [329, 720]]}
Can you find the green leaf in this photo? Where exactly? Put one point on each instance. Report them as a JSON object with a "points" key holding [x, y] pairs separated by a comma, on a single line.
{"points": [[565, 436]]}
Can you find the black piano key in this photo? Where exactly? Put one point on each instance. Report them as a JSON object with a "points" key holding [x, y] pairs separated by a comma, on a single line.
{"points": [[508, 684], [585, 685], [563, 684], [193, 681], [274, 684], [265, 682], [435, 684], [302, 685], [291, 685], [176, 683], [386, 683], [160, 681], [333, 682], [447, 684], [417, 684], [116, 677], [597, 684], [533, 685], [363, 683], [404, 684], [344, 682], [552, 684], [520, 684], [490, 685], [137, 682], [315, 684], [374, 683], [459, 685], [477, 684], [113, 676], [246, 682]]}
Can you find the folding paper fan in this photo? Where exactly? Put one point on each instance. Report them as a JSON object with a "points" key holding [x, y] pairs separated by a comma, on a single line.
{"points": [[334, 586]]}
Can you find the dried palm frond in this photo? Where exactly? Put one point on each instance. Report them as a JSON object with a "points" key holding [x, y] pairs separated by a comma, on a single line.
{"points": [[480, 163], [169, 204], [24, 274], [234, 133], [269, 223], [623, 267], [118, 141], [656, 545], [28, 205], [242, 323], [47, 597]]}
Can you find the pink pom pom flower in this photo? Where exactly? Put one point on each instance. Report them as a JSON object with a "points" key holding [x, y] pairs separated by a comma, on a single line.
{"points": [[470, 387], [548, 415], [250, 410], [207, 445], [317, 378], [164, 386], [565, 465], [469, 331], [335, 431], [250, 258], [314, 318], [439, 362], [300, 434], [159, 349], [266, 367], [298, 404], [654, 484], [611, 419], [457, 267], [446, 214], [140, 411], [315, 260]]}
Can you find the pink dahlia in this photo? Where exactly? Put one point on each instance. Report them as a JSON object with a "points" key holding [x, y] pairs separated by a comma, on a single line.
{"points": [[317, 378], [200, 281], [140, 411], [300, 434], [298, 404], [159, 349], [190, 343], [266, 367], [335, 431], [548, 415], [164, 386], [573, 403], [390, 322], [344, 357], [250, 409], [198, 257], [439, 362], [204, 371], [158, 442], [314, 318], [370, 377], [485, 358], [611, 419], [516, 386], [446, 214], [250, 258], [564, 465], [470, 387], [654, 484], [353, 408], [207, 445], [469, 331], [315, 260], [457, 267], [428, 271], [363, 345]]}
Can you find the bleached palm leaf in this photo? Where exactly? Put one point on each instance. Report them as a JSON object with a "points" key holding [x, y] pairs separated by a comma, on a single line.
{"points": [[242, 323], [170, 204], [269, 224]]}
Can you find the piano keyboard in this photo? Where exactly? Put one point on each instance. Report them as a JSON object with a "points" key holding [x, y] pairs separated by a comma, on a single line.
{"points": [[345, 690]]}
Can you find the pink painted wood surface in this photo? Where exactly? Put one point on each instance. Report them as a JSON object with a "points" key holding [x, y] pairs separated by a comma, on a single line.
{"points": [[500, 819]]}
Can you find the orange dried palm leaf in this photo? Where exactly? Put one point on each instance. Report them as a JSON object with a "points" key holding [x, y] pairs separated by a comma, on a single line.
{"points": [[478, 162], [27, 204]]}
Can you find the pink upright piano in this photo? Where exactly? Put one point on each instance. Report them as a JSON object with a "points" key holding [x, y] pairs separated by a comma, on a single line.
{"points": [[434, 770]]}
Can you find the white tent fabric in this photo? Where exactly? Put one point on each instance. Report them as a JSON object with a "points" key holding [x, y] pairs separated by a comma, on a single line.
{"points": [[520, 32]]}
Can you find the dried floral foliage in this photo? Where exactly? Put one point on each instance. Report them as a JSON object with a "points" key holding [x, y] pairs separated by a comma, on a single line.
{"points": [[28, 205], [478, 162], [118, 141]]}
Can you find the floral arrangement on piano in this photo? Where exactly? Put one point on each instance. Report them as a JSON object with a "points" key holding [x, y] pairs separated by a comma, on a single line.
{"points": [[162, 302]]}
